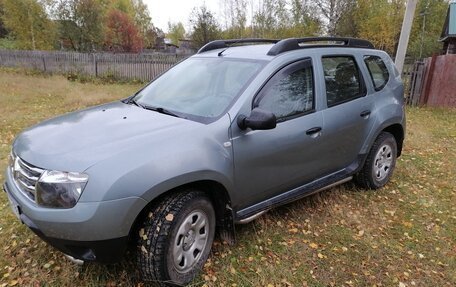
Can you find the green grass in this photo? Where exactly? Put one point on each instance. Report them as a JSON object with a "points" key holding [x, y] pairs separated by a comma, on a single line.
{"points": [[404, 233]]}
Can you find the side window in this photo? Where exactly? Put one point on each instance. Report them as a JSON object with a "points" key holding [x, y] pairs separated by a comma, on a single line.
{"points": [[378, 71], [290, 92], [343, 79]]}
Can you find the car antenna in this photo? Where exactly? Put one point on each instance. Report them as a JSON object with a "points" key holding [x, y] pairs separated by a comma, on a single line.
{"points": [[221, 52]]}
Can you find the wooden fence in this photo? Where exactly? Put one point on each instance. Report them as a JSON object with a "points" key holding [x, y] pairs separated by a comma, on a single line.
{"points": [[433, 82], [144, 67], [415, 83]]}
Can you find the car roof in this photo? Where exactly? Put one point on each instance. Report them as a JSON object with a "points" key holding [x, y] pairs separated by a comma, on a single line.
{"points": [[267, 49]]}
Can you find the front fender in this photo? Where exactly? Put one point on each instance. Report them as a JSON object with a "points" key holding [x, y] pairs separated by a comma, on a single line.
{"points": [[149, 171]]}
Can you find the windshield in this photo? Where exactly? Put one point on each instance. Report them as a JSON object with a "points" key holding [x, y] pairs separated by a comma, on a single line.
{"points": [[199, 87]]}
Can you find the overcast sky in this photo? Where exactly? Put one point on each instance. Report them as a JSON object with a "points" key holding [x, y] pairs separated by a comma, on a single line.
{"points": [[163, 11]]}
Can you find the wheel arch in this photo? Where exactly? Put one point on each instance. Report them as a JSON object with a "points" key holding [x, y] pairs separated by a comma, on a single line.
{"points": [[398, 132], [394, 127], [218, 195]]}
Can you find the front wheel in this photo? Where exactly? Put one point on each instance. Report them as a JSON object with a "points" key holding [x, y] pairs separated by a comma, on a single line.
{"points": [[175, 239], [380, 163]]}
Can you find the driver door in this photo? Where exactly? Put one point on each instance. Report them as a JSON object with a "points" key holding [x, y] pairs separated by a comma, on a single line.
{"points": [[269, 162]]}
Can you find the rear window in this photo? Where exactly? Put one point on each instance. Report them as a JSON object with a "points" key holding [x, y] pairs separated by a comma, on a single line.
{"points": [[378, 71]]}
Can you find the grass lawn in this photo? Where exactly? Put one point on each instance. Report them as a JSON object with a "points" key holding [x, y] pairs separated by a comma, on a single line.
{"points": [[401, 235]]}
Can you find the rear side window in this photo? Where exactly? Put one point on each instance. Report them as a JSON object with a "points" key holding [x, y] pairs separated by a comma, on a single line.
{"points": [[343, 79], [378, 71], [290, 92]]}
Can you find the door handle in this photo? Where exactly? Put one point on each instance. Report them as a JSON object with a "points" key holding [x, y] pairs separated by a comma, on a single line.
{"points": [[313, 131], [365, 113]]}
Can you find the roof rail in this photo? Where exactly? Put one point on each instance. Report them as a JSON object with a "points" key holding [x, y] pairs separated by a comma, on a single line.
{"points": [[312, 42], [219, 44]]}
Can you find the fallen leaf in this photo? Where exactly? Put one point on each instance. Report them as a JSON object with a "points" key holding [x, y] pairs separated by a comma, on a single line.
{"points": [[313, 245], [170, 217]]}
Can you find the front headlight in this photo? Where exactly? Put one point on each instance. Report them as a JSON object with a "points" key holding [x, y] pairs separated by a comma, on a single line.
{"points": [[60, 189]]}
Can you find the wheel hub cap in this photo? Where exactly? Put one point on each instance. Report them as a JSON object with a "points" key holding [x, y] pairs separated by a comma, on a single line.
{"points": [[191, 240], [383, 162]]}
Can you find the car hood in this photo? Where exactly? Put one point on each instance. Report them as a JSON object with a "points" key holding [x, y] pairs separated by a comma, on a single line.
{"points": [[78, 140]]}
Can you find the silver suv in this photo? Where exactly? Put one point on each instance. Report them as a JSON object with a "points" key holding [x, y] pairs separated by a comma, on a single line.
{"points": [[219, 139]]}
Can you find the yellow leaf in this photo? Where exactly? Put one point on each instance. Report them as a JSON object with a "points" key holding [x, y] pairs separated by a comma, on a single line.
{"points": [[313, 245], [232, 270], [321, 256]]}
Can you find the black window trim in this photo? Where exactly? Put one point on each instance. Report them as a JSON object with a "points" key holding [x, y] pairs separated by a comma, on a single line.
{"points": [[361, 79], [301, 61], [370, 73]]}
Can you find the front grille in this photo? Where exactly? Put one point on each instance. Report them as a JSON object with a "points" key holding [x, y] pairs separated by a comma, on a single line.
{"points": [[25, 176]]}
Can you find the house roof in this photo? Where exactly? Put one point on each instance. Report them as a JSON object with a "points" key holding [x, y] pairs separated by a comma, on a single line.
{"points": [[449, 28]]}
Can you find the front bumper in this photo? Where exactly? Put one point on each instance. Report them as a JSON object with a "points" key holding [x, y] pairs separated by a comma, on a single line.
{"points": [[89, 231]]}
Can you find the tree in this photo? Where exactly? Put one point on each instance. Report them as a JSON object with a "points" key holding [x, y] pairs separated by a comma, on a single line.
{"points": [[264, 22], [121, 33], [29, 24], [304, 21], [285, 19], [176, 31], [380, 22], [80, 23], [143, 22], [332, 11], [347, 25], [235, 18], [427, 28], [204, 26]]}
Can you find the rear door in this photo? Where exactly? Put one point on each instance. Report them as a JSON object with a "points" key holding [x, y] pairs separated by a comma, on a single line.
{"points": [[347, 118]]}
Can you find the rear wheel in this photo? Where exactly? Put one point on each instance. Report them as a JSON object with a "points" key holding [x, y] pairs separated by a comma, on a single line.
{"points": [[175, 239], [379, 164]]}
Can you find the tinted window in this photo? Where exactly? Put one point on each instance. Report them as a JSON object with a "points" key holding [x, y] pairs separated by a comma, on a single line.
{"points": [[343, 79], [290, 92], [378, 71]]}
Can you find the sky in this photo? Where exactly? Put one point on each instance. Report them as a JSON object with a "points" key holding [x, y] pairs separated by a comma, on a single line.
{"points": [[163, 11]]}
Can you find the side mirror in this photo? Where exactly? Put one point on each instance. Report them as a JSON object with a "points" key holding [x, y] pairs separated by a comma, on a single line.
{"points": [[258, 120]]}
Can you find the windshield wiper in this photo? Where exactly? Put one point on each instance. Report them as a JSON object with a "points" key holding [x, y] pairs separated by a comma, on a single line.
{"points": [[152, 108], [134, 102], [159, 110]]}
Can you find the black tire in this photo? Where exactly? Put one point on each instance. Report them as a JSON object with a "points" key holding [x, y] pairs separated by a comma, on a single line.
{"points": [[380, 163], [160, 238]]}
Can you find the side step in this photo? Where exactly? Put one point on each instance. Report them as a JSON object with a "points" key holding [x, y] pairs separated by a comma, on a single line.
{"points": [[251, 218], [282, 199]]}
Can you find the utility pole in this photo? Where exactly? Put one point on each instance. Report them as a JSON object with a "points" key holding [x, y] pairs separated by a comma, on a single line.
{"points": [[405, 34]]}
